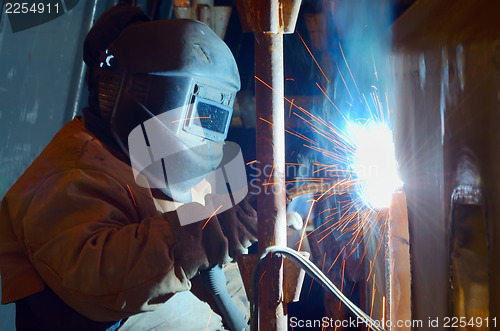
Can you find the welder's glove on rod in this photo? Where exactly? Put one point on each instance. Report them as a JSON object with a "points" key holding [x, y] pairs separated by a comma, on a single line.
{"points": [[205, 244], [294, 220]]}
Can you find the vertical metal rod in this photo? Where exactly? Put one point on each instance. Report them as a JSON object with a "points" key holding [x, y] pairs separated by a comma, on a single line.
{"points": [[269, 91]]}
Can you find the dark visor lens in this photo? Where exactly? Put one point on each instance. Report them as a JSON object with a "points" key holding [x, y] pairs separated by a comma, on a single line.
{"points": [[208, 119], [212, 117]]}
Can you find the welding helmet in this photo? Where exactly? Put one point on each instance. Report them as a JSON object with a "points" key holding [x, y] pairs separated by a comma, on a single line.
{"points": [[171, 86]]}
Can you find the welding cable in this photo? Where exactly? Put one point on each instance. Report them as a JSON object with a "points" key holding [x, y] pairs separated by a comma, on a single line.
{"points": [[312, 271], [215, 283]]}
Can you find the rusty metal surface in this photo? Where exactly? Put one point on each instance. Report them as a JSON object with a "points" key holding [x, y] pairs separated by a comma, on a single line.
{"points": [[266, 19], [271, 16], [182, 3], [271, 202], [290, 12], [399, 292], [270, 138], [246, 264], [247, 14], [294, 278]]}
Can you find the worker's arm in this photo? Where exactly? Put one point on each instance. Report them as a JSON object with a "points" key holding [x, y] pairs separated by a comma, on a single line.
{"points": [[90, 245]]}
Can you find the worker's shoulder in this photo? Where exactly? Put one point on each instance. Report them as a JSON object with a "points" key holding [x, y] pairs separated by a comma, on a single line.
{"points": [[73, 147], [66, 150], [93, 155], [60, 155]]}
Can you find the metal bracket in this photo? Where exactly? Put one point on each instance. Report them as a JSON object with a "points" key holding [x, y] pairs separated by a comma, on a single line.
{"points": [[268, 16], [292, 282]]}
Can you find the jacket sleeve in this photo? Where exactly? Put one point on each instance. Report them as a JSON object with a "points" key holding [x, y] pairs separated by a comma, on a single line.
{"points": [[83, 236]]}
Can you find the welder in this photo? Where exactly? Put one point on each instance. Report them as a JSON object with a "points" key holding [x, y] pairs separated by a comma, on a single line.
{"points": [[90, 234]]}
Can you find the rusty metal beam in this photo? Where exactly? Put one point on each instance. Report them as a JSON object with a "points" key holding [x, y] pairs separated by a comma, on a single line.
{"points": [[271, 203], [269, 20]]}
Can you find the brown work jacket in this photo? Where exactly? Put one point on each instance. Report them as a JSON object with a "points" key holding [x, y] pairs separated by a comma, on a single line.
{"points": [[77, 222]]}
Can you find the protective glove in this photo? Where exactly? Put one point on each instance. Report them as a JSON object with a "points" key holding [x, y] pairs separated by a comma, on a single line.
{"points": [[205, 243], [294, 220], [239, 225]]}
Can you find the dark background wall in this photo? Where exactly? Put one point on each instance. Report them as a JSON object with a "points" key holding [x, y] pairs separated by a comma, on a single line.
{"points": [[41, 72]]}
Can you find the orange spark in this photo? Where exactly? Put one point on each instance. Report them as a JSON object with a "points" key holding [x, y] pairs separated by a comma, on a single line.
{"points": [[270, 176], [312, 56], [372, 264], [131, 195], [373, 299], [345, 119], [353, 288], [341, 76], [383, 310], [342, 283], [215, 212], [292, 133], [388, 110], [374, 67], [336, 259], [368, 106], [261, 277], [306, 223], [348, 68], [270, 87], [309, 214], [310, 288], [245, 308], [209, 317]]}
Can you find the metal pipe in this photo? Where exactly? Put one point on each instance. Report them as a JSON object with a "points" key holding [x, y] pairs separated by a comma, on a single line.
{"points": [[271, 202], [269, 20]]}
